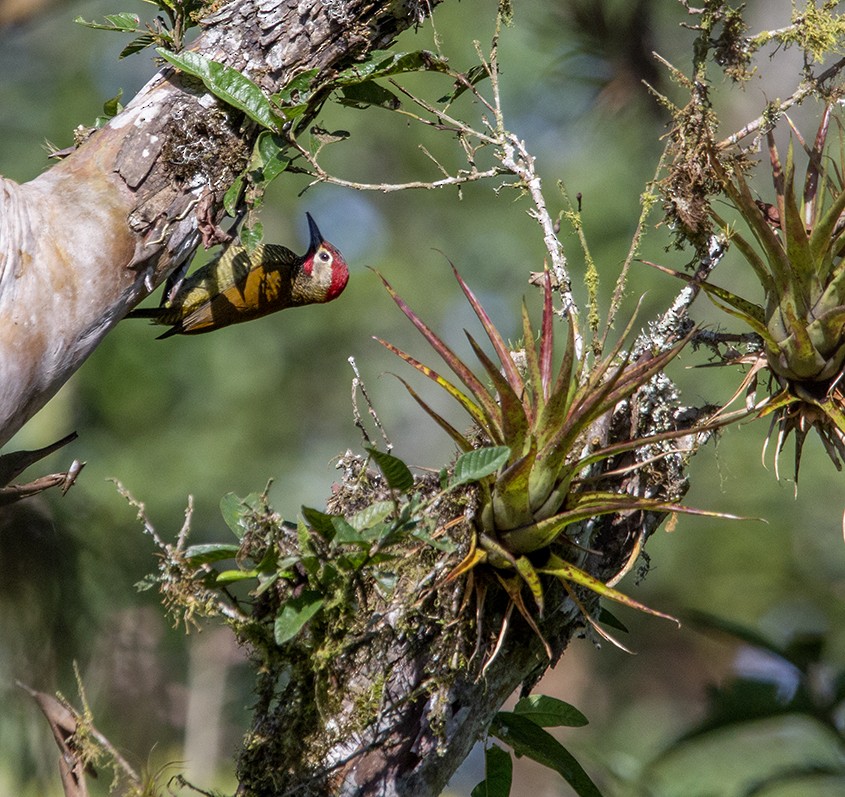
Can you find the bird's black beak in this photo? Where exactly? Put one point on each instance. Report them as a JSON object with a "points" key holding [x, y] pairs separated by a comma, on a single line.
{"points": [[316, 237]]}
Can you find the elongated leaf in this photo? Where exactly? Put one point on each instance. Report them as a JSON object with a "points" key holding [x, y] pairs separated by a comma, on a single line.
{"points": [[231, 86], [832, 410], [564, 570], [549, 712], [474, 75], [743, 200], [294, 614], [821, 238], [498, 774], [554, 413], [478, 390], [797, 245], [398, 476], [477, 413], [513, 416], [753, 313], [319, 521], [513, 586], [529, 576], [460, 440], [501, 348], [383, 63], [764, 276], [534, 393], [371, 515], [605, 452], [137, 44], [233, 508], [233, 576], [124, 22], [546, 335], [480, 462], [528, 739], [363, 95], [211, 552], [475, 556], [513, 483]]}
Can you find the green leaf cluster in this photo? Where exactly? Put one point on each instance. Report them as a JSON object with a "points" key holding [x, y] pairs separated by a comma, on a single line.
{"points": [[523, 729], [307, 570]]}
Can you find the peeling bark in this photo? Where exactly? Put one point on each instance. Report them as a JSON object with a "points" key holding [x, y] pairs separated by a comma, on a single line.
{"points": [[83, 243]]}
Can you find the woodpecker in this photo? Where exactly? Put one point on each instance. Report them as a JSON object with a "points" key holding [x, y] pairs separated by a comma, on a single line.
{"points": [[240, 286]]}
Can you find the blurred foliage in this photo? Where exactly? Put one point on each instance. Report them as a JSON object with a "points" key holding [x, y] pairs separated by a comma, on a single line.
{"points": [[270, 400]]}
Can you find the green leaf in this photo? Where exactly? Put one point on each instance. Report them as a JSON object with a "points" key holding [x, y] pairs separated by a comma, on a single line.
{"points": [[480, 462], [346, 534], [398, 476], [233, 196], [498, 774], [371, 515], [438, 543], [137, 44], [363, 95], [321, 522], [125, 22], [210, 552], [231, 576], [297, 91], [112, 106], [529, 739], [529, 575], [265, 581], [489, 418], [268, 156], [549, 712], [382, 63], [232, 508], [473, 76], [294, 614], [231, 86], [252, 236], [470, 406], [555, 566]]}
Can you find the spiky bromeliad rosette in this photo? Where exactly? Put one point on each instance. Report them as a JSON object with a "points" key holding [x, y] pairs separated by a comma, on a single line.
{"points": [[543, 416], [796, 253]]}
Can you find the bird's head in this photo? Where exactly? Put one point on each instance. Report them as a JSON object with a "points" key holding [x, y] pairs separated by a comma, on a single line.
{"points": [[324, 273]]}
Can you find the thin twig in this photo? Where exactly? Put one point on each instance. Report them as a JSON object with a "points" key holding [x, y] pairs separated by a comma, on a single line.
{"points": [[358, 384], [800, 94]]}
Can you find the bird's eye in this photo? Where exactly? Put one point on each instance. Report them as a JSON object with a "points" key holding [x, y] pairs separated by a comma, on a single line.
{"points": [[325, 257]]}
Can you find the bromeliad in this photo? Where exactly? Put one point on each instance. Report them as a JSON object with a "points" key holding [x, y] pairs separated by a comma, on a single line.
{"points": [[798, 261], [531, 507]]}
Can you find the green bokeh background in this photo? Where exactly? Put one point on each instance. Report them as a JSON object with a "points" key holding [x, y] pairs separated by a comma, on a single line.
{"points": [[271, 400]]}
